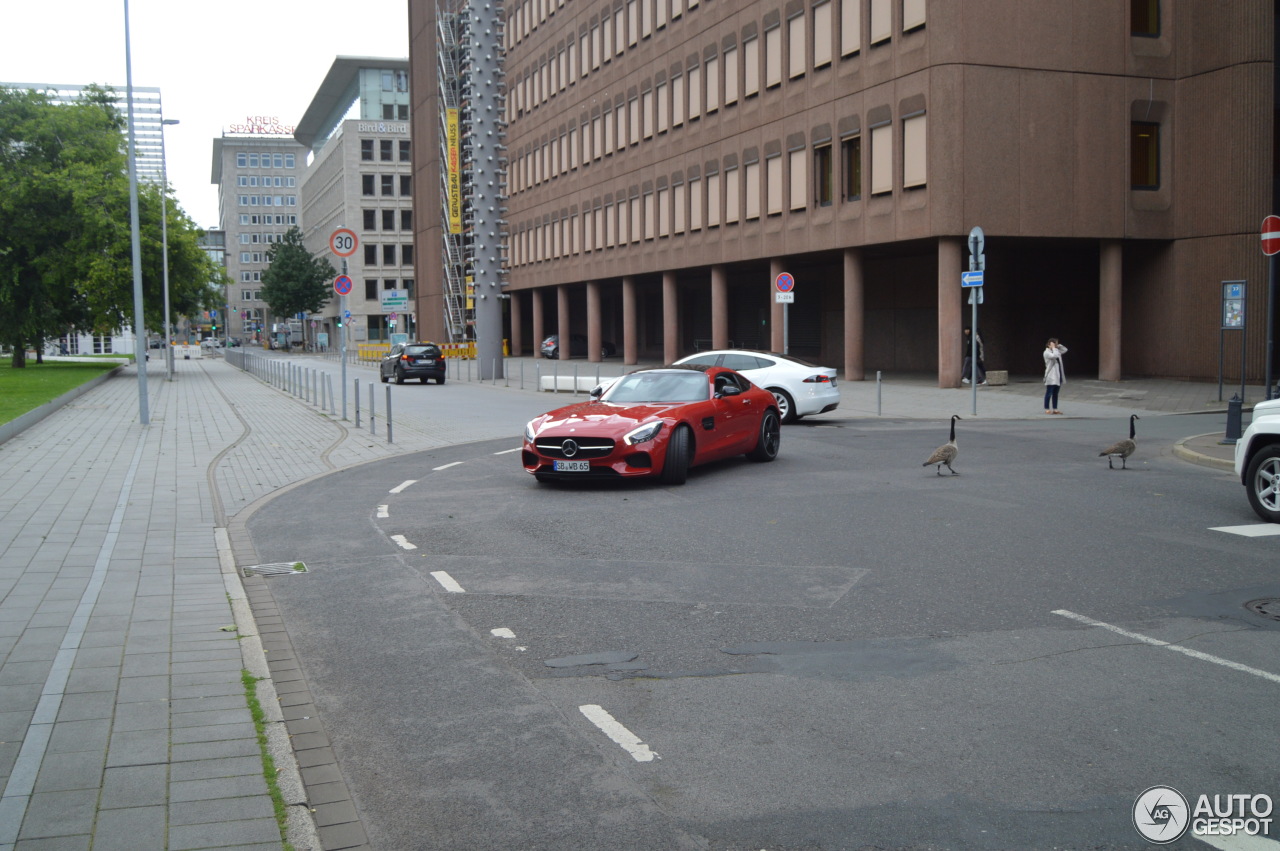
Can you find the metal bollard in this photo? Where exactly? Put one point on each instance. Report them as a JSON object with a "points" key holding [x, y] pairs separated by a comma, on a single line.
{"points": [[389, 440], [575, 379], [373, 414], [879, 386], [357, 403], [493, 371], [1235, 411], [555, 377]]}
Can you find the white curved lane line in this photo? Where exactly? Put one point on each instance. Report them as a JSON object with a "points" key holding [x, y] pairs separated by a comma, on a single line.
{"points": [[400, 487]]}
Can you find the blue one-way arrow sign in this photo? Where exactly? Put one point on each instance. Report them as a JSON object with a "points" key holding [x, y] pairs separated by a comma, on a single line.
{"points": [[970, 279]]}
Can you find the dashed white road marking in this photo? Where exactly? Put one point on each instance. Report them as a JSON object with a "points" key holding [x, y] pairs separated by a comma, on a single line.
{"points": [[509, 451], [445, 466], [628, 740], [400, 487], [384, 512], [447, 582], [404, 544], [1177, 648], [502, 632], [1253, 530]]}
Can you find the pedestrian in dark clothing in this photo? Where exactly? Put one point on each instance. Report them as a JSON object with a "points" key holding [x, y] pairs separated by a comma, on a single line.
{"points": [[967, 372]]}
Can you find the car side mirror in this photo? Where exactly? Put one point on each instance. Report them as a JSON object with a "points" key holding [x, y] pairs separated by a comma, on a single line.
{"points": [[597, 391], [729, 390]]}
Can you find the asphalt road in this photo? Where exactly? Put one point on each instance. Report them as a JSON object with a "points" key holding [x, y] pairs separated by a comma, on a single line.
{"points": [[838, 650]]}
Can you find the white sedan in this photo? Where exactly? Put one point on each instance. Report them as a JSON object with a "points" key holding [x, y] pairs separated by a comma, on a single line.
{"points": [[800, 387]]}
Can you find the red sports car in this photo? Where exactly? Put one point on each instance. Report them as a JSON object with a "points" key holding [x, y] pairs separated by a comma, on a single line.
{"points": [[655, 422]]}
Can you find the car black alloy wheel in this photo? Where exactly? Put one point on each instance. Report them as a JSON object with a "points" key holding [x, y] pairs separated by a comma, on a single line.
{"points": [[383, 376], [786, 405], [1262, 482], [399, 376], [440, 380], [770, 438], [679, 453]]}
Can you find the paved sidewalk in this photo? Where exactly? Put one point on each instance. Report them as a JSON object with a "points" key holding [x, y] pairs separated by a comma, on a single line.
{"points": [[124, 619]]}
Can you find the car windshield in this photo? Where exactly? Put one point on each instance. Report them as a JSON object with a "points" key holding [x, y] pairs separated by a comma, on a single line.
{"points": [[659, 387]]}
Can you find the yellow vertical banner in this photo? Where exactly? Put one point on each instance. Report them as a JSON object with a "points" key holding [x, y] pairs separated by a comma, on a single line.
{"points": [[455, 175]]}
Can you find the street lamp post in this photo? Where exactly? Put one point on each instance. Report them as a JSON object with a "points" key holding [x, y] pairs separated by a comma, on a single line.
{"points": [[139, 336], [164, 243]]}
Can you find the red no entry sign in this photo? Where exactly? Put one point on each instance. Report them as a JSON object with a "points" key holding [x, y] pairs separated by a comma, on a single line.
{"points": [[1271, 235]]}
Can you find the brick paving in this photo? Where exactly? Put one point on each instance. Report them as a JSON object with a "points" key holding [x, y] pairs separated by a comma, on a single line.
{"points": [[125, 622]]}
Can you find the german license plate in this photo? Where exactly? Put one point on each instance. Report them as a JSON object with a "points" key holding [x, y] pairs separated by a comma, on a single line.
{"points": [[572, 466], [426, 361]]}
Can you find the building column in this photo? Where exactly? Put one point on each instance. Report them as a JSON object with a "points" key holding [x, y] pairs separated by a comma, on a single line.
{"points": [[629, 342], [562, 321], [594, 338], [670, 319], [539, 333], [950, 321], [854, 317], [719, 308], [517, 322], [1110, 303], [777, 312]]}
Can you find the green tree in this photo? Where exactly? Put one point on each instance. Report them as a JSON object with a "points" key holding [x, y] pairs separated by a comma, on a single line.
{"points": [[61, 168], [295, 282], [65, 237]]}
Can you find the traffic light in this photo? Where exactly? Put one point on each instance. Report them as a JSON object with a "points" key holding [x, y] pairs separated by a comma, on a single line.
{"points": [[339, 321], [214, 327]]}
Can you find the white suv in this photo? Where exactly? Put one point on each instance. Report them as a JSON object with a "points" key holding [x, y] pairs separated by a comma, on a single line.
{"points": [[1258, 460]]}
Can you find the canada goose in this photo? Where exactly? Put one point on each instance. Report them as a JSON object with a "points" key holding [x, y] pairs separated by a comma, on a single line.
{"points": [[946, 453], [1121, 449]]}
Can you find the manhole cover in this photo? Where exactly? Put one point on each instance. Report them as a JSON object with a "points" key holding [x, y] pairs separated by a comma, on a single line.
{"points": [[1268, 607], [281, 568]]}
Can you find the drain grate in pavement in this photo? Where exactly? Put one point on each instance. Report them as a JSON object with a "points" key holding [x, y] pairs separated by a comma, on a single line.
{"points": [[1268, 607], [280, 568]]}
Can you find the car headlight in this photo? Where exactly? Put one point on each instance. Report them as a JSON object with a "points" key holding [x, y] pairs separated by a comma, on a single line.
{"points": [[528, 431], [645, 433]]}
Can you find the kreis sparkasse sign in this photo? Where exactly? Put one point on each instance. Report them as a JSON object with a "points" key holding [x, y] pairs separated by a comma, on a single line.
{"points": [[263, 125]]}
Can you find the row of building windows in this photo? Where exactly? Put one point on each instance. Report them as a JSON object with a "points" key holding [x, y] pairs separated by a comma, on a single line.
{"points": [[251, 295], [395, 81], [247, 277], [255, 219], [386, 183], [247, 159], [371, 286], [564, 154], [261, 238], [791, 181], [253, 257], [388, 219], [386, 149], [388, 254], [268, 200], [395, 112], [811, 41], [266, 180]]}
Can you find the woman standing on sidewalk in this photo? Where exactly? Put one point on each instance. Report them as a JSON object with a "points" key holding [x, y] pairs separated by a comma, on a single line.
{"points": [[1054, 375]]}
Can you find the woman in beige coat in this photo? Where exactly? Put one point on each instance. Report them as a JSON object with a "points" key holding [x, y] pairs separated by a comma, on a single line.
{"points": [[1054, 375]]}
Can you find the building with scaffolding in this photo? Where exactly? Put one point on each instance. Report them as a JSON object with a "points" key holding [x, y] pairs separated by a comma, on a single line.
{"points": [[359, 176], [669, 159]]}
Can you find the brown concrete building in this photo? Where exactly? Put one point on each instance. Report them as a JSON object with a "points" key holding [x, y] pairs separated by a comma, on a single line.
{"points": [[668, 158]]}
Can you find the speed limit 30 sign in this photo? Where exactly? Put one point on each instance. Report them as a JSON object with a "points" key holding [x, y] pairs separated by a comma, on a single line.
{"points": [[343, 242]]}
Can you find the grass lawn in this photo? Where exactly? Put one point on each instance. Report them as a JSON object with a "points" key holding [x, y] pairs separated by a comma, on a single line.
{"points": [[22, 390]]}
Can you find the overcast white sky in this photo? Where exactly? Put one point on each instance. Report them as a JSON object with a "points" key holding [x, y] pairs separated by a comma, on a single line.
{"points": [[215, 63]]}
